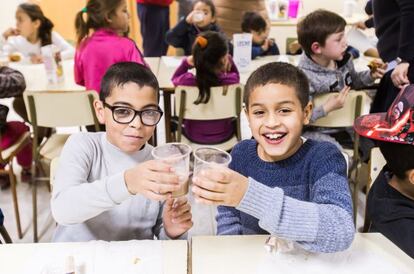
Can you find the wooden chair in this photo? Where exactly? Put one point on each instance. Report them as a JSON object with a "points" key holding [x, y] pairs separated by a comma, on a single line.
{"points": [[55, 109], [3, 232], [375, 165], [6, 159], [225, 102], [344, 118]]}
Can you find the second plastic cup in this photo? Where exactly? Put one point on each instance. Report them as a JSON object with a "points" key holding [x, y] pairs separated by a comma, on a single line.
{"points": [[210, 158], [178, 156]]}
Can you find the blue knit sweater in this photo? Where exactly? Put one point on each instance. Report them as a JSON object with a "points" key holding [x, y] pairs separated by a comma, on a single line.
{"points": [[304, 198]]}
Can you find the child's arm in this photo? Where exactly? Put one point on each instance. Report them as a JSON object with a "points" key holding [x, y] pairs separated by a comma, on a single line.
{"points": [[232, 76], [273, 48], [78, 69], [360, 79], [322, 224], [334, 102], [67, 51], [182, 76], [256, 51], [89, 199], [177, 36]]}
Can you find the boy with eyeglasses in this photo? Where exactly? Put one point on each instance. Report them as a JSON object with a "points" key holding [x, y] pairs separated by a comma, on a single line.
{"points": [[107, 187]]}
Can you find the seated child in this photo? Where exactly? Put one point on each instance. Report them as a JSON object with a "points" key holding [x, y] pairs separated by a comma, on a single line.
{"points": [[326, 62], [202, 18], [214, 67], [33, 31], [107, 186], [254, 23], [329, 67], [12, 84], [390, 204], [280, 183]]}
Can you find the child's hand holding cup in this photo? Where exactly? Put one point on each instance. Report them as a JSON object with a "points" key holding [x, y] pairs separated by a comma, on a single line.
{"points": [[214, 183], [178, 156]]}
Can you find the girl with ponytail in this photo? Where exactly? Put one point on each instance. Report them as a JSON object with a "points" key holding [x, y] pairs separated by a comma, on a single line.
{"points": [[214, 67], [33, 31], [102, 28]]}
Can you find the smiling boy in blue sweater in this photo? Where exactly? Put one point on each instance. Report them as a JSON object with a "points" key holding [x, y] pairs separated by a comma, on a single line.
{"points": [[279, 183]]}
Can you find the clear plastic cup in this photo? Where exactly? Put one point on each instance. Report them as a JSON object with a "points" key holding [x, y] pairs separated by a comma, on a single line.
{"points": [[178, 156], [198, 16], [210, 158]]}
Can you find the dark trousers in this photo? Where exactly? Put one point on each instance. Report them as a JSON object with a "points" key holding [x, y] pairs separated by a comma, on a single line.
{"points": [[387, 92], [155, 22]]}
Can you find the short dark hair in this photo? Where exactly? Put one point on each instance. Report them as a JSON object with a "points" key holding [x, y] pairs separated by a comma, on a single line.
{"points": [[399, 157], [208, 3], [278, 73], [125, 72], [317, 26], [253, 21]]}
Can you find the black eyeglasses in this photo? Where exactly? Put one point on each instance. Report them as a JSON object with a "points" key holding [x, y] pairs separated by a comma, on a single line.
{"points": [[125, 115]]}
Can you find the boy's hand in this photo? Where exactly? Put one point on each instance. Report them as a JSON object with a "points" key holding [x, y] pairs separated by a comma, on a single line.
{"points": [[399, 75], [377, 68], [189, 18], [153, 179], [10, 32], [219, 186], [360, 25], [336, 101], [177, 217], [265, 45]]}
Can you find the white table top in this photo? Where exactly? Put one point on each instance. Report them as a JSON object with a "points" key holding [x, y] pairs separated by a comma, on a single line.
{"points": [[128, 257], [36, 79], [168, 65], [369, 253]]}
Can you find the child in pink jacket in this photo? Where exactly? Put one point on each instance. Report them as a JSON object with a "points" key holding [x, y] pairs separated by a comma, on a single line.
{"points": [[108, 43]]}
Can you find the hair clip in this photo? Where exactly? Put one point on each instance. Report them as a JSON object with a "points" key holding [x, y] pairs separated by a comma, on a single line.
{"points": [[202, 41], [84, 10]]}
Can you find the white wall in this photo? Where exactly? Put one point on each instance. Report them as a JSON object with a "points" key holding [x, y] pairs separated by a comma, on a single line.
{"points": [[7, 12]]}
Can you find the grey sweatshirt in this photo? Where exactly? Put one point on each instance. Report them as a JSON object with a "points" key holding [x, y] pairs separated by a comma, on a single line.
{"points": [[324, 80], [90, 200]]}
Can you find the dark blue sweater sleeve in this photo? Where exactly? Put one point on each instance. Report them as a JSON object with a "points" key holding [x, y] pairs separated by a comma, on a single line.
{"points": [[178, 36]]}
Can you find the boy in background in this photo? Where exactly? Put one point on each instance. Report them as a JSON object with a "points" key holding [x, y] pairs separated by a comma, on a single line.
{"points": [[326, 63], [262, 45]]}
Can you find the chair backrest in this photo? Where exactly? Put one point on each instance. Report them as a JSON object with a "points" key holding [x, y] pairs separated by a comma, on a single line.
{"points": [[344, 117], [61, 108], [376, 163], [53, 166], [225, 102]]}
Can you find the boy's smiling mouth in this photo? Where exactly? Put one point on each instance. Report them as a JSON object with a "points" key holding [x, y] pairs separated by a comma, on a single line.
{"points": [[274, 138]]}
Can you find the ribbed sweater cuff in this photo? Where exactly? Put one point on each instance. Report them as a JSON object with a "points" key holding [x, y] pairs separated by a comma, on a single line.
{"points": [[163, 235], [116, 188], [258, 199]]}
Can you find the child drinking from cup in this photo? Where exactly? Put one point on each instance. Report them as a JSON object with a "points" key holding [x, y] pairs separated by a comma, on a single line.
{"points": [[202, 18]]}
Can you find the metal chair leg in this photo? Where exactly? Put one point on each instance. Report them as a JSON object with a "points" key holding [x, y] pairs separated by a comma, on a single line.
{"points": [[34, 201], [15, 201]]}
